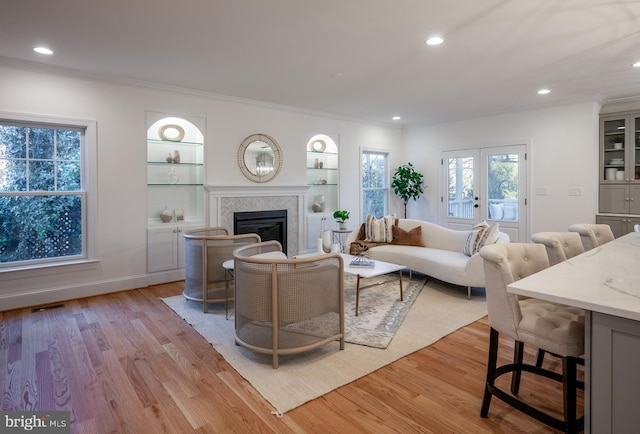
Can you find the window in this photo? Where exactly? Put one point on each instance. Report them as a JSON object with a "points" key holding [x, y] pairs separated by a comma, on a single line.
{"points": [[375, 184], [42, 195]]}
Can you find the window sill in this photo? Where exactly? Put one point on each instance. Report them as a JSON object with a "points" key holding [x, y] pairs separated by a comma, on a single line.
{"points": [[47, 269]]}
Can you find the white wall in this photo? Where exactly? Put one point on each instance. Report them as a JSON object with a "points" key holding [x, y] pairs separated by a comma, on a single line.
{"points": [[119, 111], [563, 154]]}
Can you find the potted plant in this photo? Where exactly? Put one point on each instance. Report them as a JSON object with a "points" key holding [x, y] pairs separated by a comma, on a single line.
{"points": [[616, 141], [407, 183], [341, 217]]}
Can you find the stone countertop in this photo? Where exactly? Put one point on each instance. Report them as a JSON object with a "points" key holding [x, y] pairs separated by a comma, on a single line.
{"points": [[605, 279]]}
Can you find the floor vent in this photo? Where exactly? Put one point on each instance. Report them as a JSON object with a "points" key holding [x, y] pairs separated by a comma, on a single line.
{"points": [[43, 308]]}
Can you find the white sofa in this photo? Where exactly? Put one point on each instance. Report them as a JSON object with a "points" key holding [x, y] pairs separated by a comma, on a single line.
{"points": [[442, 257]]}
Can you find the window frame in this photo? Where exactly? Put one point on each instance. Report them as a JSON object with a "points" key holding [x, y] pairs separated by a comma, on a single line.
{"points": [[387, 179], [88, 176]]}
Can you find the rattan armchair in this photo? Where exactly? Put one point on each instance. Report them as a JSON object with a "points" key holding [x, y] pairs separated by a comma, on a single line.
{"points": [[205, 252], [287, 306]]}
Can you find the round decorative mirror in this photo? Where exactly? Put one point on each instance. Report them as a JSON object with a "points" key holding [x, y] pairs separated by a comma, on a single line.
{"points": [[260, 158]]}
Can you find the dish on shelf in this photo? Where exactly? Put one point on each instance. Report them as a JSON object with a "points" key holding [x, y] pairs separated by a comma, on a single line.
{"points": [[171, 132], [318, 146], [615, 161]]}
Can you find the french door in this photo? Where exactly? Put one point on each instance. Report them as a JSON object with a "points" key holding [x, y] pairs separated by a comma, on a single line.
{"points": [[486, 184]]}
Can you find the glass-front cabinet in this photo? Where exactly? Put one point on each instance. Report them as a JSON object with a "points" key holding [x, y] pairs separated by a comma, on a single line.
{"points": [[619, 197], [620, 148]]}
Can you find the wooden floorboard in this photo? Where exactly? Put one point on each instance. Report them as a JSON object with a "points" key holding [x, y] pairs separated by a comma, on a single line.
{"points": [[126, 363]]}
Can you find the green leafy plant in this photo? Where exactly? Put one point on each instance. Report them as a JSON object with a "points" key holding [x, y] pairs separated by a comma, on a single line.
{"points": [[407, 183], [341, 216], [618, 138]]}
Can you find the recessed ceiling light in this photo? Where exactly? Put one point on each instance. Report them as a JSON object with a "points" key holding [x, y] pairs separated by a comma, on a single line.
{"points": [[42, 50], [434, 40], [396, 118], [544, 91], [636, 65], [337, 75]]}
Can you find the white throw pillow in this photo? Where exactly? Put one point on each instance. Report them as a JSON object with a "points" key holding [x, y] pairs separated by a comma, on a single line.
{"points": [[379, 230], [496, 211], [482, 234], [510, 211]]}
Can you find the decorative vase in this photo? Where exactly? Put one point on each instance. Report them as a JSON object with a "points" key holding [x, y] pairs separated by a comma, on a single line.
{"points": [[169, 158], [342, 226], [326, 241], [316, 207], [315, 164], [176, 156], [320, 201], [166, 215]]}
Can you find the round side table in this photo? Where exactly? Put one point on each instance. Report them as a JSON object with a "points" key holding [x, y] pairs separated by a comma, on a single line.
{"points": [[340, 236]]}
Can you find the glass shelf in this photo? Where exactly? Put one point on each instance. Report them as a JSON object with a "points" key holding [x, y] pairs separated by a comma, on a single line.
{"points": [[322, 168], [172, 143], [174, 185], [164, 163]]}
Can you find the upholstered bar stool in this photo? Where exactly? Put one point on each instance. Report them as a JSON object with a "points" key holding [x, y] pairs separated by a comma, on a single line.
{"points": [[592, 235], [555, 328], [560, 245]]}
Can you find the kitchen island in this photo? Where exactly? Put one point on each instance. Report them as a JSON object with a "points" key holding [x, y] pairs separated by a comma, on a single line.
{"points": [[604, 281]]}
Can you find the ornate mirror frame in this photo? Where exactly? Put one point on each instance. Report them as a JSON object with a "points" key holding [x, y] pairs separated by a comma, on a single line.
{"points": [[246, 158]]}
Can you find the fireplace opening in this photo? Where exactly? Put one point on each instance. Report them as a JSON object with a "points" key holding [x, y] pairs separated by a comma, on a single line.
{"points": [[270, 225]]}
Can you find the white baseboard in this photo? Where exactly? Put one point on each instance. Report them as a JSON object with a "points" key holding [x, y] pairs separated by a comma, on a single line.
{"points": [[55, 295]]}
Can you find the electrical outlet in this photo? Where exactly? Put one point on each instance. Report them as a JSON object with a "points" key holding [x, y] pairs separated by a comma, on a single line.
{"points": [[575, 191]]}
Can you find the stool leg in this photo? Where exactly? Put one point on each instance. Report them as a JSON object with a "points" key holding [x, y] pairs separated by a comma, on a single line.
{"points": [[569, 387], [491, 371], [518, 352]]}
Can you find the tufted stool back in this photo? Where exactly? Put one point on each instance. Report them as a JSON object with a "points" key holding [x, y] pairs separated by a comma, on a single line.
{"points": [[504, 264], [560, 245], [593, 235]]}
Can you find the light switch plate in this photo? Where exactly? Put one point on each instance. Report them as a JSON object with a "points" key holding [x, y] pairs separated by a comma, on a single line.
{"points": [[542, 191], [575, 191]]}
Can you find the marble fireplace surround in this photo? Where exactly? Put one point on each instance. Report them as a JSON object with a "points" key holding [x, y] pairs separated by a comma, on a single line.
{"points": [[224, 201]]}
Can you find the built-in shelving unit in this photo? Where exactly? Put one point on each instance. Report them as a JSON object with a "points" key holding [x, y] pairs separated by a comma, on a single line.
{"points": [[619, 172], [323, 182], [175, 189]]}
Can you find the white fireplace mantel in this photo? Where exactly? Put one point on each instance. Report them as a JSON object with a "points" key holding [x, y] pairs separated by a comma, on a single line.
{"points": [[224, 201]]}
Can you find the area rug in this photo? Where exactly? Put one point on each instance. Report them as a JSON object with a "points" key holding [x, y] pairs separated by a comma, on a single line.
{"points": [[439, 309], [380, 311]]}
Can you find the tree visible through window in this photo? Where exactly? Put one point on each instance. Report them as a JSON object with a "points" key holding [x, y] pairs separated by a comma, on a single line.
{"points": [[41, 193], [375, 190]]}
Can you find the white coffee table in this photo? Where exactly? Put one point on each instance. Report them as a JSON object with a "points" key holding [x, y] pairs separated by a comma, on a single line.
{"points": [[379, 268]]}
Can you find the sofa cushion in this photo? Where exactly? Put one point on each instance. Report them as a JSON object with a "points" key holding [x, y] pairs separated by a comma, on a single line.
{"points": [[482, 234], [412, 237], [379, 230]]}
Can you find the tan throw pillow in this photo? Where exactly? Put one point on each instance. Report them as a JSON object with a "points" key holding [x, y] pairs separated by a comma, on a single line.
{"points": [[379, 230], [407, 238], [482, 234]]}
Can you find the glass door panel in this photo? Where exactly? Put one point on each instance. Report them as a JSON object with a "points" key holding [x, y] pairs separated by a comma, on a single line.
{"points": [[461, 187], [503, 186]]}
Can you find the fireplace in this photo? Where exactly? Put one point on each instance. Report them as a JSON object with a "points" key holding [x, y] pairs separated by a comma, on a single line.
{"points": [[270, 225]]}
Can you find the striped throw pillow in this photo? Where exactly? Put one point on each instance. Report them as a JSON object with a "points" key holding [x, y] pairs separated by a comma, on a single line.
{"points": [[379, 230]]}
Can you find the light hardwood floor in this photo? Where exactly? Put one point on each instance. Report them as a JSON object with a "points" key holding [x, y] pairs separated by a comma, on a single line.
{"points": [[125, 362]]}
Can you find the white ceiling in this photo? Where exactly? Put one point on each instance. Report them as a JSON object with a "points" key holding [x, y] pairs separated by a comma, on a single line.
{"points": [[496, 55]]}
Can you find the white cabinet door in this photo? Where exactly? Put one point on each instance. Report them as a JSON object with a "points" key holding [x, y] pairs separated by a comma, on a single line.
{"points": [[315, 224], [162, 249]]}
